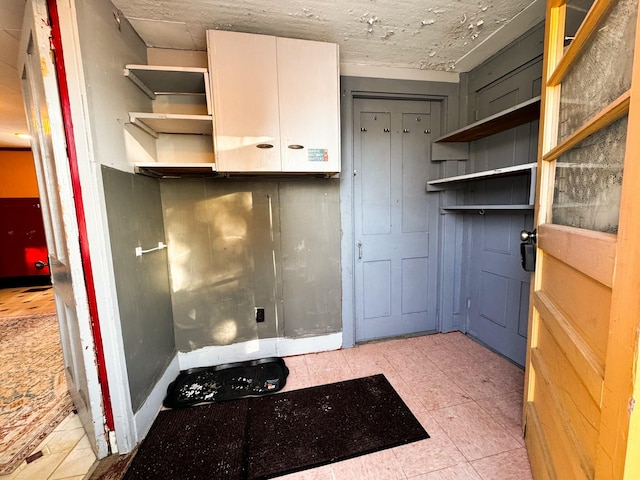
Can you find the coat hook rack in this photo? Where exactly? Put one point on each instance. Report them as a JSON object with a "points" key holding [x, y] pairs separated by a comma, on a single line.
{"points": [[140, 251]]}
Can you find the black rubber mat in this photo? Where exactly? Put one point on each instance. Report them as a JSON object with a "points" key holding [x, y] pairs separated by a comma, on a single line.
{"points": [[265, 437], [227, 382]]}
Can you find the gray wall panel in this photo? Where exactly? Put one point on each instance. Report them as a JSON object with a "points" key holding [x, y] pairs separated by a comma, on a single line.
{"points": [[134, 215], [240, 244], [310, 238]]}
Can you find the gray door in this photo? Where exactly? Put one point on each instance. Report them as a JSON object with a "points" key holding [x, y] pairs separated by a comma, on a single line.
{"points": [[499, 303], [395, 221]]}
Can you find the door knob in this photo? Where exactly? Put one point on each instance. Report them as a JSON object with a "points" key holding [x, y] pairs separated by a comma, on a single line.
{"points": [[40, 265], [528, 236], [528, 250]]}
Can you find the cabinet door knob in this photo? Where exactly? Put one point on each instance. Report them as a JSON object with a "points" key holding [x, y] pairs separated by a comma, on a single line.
{"points": [[264, 145], [295, 147]]}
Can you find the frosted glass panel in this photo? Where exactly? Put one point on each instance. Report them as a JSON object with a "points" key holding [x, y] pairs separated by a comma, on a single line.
{"points": [[589, 180], [606, 60]]}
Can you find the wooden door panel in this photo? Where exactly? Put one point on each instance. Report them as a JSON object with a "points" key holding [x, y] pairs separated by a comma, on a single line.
{"points": [[569, 460], [592, 253], [578, 354], [585, 302], [574, 399], [539, 457], [584, 326]]}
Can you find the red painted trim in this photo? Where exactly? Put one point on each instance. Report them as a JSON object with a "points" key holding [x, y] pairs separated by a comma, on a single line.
{"points": [[82, 224]]}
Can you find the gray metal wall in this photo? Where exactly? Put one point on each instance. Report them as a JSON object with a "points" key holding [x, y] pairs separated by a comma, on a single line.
{"points": [[240, 244], [134, 214]]}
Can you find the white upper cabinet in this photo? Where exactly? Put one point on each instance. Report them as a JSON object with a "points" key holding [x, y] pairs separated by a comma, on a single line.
{"points": [[276, 103]]}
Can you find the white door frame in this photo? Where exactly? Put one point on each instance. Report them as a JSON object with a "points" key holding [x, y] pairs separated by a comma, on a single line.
{"points": [[90, 177]]}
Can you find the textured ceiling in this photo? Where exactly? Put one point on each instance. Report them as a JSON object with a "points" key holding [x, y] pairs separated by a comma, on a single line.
{"points": [[417, 34], [381, 36]]}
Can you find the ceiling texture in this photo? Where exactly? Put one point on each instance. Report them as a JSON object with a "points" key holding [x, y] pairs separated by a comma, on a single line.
{"points": [[414, 39]]}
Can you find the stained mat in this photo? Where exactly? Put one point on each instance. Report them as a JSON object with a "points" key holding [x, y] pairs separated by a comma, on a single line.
{"points": [[264, 437]]}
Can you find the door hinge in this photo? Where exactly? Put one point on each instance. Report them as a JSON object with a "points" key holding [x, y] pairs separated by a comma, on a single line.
{"points": [[113, 443], [468, 303]]}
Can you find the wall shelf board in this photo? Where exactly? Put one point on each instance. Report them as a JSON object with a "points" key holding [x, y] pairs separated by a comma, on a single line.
{"points": [[175, 170], [499, 122], [156, 123], [168, 80], [451, 183], [481, 209], [442, 152]]}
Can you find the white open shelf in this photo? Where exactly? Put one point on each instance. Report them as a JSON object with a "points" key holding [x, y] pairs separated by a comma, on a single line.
{"points": [[177, 170], [156, 123], [450, 183], [169, 80], [459, 181]]}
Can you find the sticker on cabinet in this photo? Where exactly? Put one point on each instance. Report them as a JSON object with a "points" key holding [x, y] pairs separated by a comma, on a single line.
{"points": [[318, 155]]}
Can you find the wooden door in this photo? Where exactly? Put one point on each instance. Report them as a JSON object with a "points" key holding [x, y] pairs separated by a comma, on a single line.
{"points": [[244, 79], [396, 222], [308, 89], [580, 416], [44, 115]]}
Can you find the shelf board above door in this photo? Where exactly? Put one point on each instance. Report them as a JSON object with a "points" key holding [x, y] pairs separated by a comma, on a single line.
{"points": [[499, 122]]}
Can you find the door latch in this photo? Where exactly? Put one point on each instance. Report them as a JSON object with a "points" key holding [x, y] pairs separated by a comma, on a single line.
{"points": [[528, 250]]}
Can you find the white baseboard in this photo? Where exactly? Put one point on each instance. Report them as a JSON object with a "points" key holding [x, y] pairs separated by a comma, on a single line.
{"points": [[255, 349], [145, 416]]}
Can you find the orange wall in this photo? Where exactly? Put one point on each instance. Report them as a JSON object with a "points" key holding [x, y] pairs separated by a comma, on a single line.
{"points": [[17, 174]]}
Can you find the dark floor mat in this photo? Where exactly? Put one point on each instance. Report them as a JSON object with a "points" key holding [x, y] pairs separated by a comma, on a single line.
{"points": [[227, 382], [37, 289], [264, 437]]}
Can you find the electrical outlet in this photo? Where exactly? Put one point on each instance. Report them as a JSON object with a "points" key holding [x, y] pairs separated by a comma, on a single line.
{"points": [[259, 314]]}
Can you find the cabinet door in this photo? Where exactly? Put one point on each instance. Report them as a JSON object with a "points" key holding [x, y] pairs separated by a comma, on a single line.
{"points": [[245, 101], [308, 88]]}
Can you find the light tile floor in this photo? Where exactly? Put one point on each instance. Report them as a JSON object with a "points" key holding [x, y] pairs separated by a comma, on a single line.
{"points": [[467, 398], [66, 455]]}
